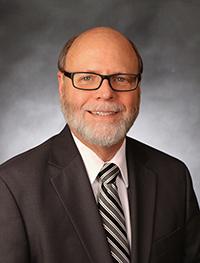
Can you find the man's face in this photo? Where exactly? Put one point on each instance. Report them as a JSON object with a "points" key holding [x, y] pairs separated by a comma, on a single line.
{"points": [[104, 116]]}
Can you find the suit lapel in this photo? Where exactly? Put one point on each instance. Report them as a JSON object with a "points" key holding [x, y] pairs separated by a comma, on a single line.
{"points": [[142, 194], [74, 190]]}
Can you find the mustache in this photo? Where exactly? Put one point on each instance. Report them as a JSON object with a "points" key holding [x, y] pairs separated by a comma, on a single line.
{"points": [[113, 107]]}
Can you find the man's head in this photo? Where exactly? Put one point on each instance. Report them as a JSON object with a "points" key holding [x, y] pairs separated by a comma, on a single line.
{"points": [[102, 116]]}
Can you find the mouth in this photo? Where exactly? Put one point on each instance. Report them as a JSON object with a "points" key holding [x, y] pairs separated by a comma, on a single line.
{"points": [[103, 113]]}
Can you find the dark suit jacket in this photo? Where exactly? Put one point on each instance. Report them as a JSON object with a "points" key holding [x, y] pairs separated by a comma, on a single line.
{"points": [[49, 214]]}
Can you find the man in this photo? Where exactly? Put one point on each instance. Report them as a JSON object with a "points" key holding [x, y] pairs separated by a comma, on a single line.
{"points": [[52, 197]]}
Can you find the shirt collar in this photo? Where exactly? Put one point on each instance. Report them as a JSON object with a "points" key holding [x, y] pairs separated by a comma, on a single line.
{"points": [[93, 163]]}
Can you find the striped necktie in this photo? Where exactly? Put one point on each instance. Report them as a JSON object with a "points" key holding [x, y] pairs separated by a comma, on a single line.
{"points": [[110, 209]]}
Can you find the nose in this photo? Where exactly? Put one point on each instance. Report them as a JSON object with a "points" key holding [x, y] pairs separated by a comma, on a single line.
{"points": [[105, 92]]}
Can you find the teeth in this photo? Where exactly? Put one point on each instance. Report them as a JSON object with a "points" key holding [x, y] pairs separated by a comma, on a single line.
{"points": [[103, 113]]}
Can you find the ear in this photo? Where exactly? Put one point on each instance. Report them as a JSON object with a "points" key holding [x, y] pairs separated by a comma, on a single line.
{"points": [[61, 84]]}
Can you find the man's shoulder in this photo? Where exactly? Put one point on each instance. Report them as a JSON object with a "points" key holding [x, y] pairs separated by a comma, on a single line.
{"points": [[38, 154], [57, 151], [152, 157], [37, 166]]}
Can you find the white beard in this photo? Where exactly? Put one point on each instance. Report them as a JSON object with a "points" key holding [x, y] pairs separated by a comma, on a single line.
{"points": [[99, 133]]}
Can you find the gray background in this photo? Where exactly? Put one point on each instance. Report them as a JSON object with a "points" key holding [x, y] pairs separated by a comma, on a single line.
{"points": [[167, 34]]}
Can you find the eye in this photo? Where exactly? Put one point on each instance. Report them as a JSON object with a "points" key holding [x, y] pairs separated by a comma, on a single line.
{"points": [[120, 79], [87, 78]]}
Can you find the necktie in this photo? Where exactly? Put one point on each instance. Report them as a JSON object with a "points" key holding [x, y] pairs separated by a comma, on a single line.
{"points": [[112, 214]]}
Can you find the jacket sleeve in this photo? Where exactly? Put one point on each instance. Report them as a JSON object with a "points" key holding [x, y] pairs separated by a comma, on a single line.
{"points": [[192, 226], [13, 239]]}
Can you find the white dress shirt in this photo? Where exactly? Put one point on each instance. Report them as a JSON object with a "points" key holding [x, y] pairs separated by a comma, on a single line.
{"points": [[93, 165]]}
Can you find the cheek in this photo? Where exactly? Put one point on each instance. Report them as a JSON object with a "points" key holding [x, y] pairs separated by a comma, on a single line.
{"points": [[77, 97], [130, 100]]}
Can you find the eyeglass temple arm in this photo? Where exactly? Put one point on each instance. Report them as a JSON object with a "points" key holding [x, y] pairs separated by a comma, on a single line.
{"points": [[139, 77], [67, 74]]}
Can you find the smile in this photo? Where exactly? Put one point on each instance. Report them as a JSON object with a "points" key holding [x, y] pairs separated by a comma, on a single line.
{"points": [[100, 113]]}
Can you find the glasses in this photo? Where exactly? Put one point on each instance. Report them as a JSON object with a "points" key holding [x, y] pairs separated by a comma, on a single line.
{"points": [[93, 81]]}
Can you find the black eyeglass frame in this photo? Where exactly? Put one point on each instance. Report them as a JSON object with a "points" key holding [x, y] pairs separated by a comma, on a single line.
{"points": [[71, 76]]}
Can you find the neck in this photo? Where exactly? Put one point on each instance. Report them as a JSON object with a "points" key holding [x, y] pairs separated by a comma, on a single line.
{"points": [[105, 153]]}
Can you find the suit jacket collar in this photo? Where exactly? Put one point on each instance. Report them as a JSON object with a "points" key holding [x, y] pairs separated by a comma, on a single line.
{"points": [[72, 185], [63, 150]]}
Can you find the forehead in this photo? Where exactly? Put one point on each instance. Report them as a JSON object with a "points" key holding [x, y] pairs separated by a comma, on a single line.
{"points": [[104, 49]]}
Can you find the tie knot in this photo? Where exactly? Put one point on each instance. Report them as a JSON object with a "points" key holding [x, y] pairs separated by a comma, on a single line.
{"points": [[109, 173]]}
